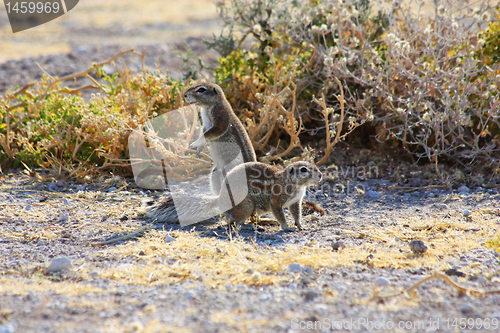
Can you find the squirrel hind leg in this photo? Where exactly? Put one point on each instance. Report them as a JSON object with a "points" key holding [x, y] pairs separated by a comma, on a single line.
{"points": [[240, 213]]}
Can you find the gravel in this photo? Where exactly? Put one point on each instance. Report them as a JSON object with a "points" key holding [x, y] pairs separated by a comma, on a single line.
{"points": [[330, 292], [338, 291]]}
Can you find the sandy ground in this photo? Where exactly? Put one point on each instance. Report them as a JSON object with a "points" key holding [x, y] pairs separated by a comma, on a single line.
{"points": [[112, 22], [201, 278], [331, 277]]}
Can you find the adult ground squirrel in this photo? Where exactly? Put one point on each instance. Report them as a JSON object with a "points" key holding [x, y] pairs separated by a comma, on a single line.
{"points": [[226, 137], [253, 188]]}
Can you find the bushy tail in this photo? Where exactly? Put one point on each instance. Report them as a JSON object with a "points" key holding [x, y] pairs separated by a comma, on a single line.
{"points": [[182, 209]]}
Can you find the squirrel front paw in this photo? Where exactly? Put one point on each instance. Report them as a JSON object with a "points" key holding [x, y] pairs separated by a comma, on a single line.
{"points": [[289, 229], [198, 145]]}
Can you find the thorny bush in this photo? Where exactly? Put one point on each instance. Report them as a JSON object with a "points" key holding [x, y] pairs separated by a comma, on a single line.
{"points": [[316, 68], [428, 83]]}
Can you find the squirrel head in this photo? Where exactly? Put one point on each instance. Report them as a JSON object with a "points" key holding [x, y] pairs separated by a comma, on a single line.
{"points": [[204, 94], [303, 173]]}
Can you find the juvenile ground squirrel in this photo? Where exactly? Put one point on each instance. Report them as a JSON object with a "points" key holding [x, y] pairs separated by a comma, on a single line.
{"points": [[226, 137], [255, 188]]}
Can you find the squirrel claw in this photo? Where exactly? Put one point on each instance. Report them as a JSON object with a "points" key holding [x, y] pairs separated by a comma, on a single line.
{"points": [[199, 150]]}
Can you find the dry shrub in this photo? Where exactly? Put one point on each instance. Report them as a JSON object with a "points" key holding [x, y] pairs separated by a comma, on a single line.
{"points": [[428, 83], [53, 126]]}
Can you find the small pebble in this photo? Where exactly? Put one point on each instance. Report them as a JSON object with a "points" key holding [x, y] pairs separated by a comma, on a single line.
{"points": [[124, 217], [190, 295], [27, 207], [310, 295], [59, 264], [81, 187], [463, 189], [61, 183], [112, 189], [8, 328], [417, 246], [372, 194], [454, 272], [381, 282], [94, 274], [295, 267], [136, 326], [467, 309], [65, 201], [338, 245], [467, 213], [63, 217], [265, 297], [53, 186], [169, 239]]}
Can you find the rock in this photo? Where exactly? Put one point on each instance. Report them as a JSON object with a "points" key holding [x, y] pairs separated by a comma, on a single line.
{"points": [[59, 264], [65, 201], [454, 272], [338, 245], [463, 189], [94, 274], [295, 267], [265, 297], [27, 207], [8, 328], [81, 187], [309, 295], [112, 189], [431, 195], [53, 186], [135, 326], [372, 194], [467, 213], [61, 184], [63, 217], [417, 246], [190, 295], [124, 217], [441, 206], [169, 239], [467, 309], [381, 282]]}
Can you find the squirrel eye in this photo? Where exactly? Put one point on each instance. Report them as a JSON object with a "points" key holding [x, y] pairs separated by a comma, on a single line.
{"points": [[303, 170], [201, 90]]}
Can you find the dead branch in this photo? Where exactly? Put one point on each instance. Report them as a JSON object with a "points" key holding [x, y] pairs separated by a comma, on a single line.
{"points": [[410, 292], [326, 111]]}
